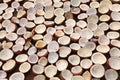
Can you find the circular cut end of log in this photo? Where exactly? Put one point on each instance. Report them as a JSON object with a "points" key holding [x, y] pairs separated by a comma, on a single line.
{"points": [[53, 46], [61, 64], [37, 69], [74, 59], [49, 69], [64, 40], [111, 74], [114, 62], [84, 52], [6, 54], [103, 48], [97, 71], [76, 70], [24, 67], [66, 74], [17, 75], [98, 58], [86, 63], [40, 44], [39, 77], [114, 52], [21, 58], [43, 61], [52, 57], [33, 59], [3, 74], [77, 78], [9, 65]]}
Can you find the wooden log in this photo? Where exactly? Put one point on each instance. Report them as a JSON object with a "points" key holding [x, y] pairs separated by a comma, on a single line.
{"points": [[86, 63], [5, 57], [58, 4], [84, 7], [59, 12], [23, 22], [104, 18], [104, 26], [92, 19], [86, 33], [75, 36], [51, 30], [52, 57], [84, 52], [28, 5], [77, 77], [28, 34], [54, 78], [11, 36], [64, 51], [31, 16], [53, 46], [98, 32], [68, 30], [103, 48], [37, 37], [15, 4], [33, 59], [48, 70], [49, 23], [75, 3], [114, 26], [59, 27], [7, 15], [64, 40], [114, 63], [43, 61], [98, 58], [40, 44], [61, 64], [114, 52], [32, 50], [92, 26], [1, 63], [68, 15], [82, 16], [3, 6], [91, 11], [9, 10], [76, 70], [17, 48], [70, 22], [90, 45], [40, 12], [21, 31], [103, 9], [115, 16], [59, 19], [115, 43], [47, 38], [103, 40], [9, 65], [24, 67], [42, 52], [15, 20], [21, 13], [40, 29], [74, 59], [75, 10], [111, 72], [3, 74], [39, 77], [7, 45], [21, 58], [59, 33], [66, 74], [97, 71], [37, 69], [83, 41], [113, 35], [20, 41], [94, 4], [30, 25], [15, 76], [74, 46], [87, 75], [115, 7], [49, 15], [27, 45], [6, 23], [81, 24], [39, 20]]}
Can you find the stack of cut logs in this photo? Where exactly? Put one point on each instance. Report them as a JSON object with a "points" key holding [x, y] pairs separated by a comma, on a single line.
{"points": [[59, 39]]}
